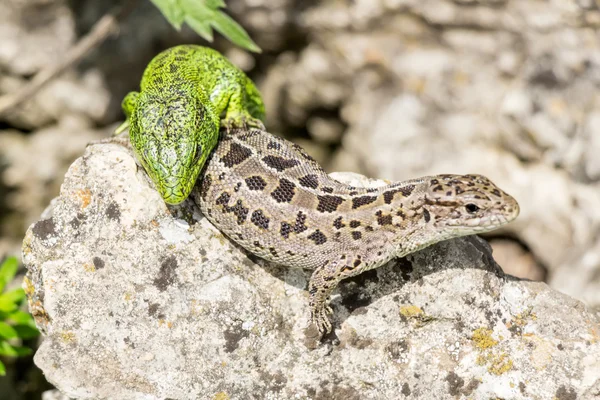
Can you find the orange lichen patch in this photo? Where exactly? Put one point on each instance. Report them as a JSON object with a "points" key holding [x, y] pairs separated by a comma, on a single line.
{"points": [[68, 337], [519, 321], [89, 267], [221, 396], [28, 287], [154, 223], [85, 197], [499, 364], [411, 311], [162, 322], [483, 339], [415, 315], [26, 247]]}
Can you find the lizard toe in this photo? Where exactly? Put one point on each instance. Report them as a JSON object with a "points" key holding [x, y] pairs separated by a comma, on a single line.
{"points": [[321, 321]]}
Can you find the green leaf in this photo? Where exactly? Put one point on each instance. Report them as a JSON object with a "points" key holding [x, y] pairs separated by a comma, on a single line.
{"points": [[6, 305], [16, 296], [172, 11], [233, 31], [26, 331], [2, 369], [8, 270], [202, 15], [20, 317], [7, 350], [214, 4], [202, 28], [7, 331]]}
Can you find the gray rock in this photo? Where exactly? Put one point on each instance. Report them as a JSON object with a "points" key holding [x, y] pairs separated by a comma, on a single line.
{"points": [[138, 300]]}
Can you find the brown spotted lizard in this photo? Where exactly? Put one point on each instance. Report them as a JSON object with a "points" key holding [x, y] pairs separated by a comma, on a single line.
{"points": [[272, 198]]}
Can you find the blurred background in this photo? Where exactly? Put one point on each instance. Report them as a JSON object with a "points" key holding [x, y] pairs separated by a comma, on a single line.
{"points": [[393, 89]]}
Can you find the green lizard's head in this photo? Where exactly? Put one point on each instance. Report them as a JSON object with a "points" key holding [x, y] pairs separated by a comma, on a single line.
{"points": [[172, 135]]}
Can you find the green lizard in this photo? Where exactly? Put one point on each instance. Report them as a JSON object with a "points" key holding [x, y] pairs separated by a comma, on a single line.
{"points": [[187, 92]]}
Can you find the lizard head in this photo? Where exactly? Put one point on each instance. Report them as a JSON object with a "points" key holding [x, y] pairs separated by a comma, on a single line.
{"points": [[172, 137], [467, 204]]}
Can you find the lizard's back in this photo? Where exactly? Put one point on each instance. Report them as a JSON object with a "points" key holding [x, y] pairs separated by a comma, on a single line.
{"points": [[180, 67], [271, 197]]}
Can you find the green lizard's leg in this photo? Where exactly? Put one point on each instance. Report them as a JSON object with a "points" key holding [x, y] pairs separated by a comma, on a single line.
{"points": [[243, 111], [128, 105]]}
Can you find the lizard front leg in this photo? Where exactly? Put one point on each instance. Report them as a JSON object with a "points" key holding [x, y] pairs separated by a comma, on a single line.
{"points": [[322, 283], [128, 105], [237, 113]]}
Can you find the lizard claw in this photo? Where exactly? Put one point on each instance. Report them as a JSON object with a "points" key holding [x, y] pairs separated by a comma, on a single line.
{"points": [[242, 122], [320, 319]]}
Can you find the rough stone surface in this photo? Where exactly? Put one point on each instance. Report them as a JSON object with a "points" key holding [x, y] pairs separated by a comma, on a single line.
{"points": [[138, 300], [501, 88]]}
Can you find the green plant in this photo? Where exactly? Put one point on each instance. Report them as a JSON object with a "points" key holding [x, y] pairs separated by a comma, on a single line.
{"points": [[204, 15], [15, 325]]}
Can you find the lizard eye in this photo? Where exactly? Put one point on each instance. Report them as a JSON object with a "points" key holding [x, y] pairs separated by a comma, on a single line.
{"points": [[471, 208]]}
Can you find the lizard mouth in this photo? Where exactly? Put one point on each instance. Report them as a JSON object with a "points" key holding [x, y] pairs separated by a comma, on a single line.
{"points": [[486, 223]]}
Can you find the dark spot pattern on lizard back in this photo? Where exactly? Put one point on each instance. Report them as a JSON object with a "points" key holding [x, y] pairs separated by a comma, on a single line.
{"points": [[173, 68], [407, 190], [236, 155], [356, 235], [426, 215], [354, 224], [300, 225], [309, 181], [223, 199], [328, 203], [239, 211], [206, 183], [388, 196], [338, 224], [260, 219], [362, 201], [273, 145], [284, 193], [280, 163], [248, 135], [383, 219], [318, 237], [285, 230], [327, 189], [255, 182]]}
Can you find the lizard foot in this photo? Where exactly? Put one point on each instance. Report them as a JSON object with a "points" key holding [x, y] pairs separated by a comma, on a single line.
{"points": [[320, 319], [241, 121]]}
